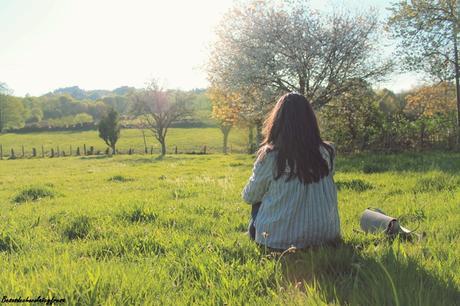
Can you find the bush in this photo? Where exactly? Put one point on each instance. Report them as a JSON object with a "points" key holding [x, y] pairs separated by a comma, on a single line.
{"points": [[33, 193], [79, 228]]}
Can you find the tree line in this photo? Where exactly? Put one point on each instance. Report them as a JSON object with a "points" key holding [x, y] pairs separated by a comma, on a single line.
{"points": [[72, 108], [266, 48]]}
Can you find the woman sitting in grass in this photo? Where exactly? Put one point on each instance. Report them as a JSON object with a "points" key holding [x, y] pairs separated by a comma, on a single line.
{"points": [[292, 191]]}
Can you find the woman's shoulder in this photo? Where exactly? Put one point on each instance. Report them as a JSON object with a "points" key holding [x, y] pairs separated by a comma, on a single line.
{"points": [[266, 154]]}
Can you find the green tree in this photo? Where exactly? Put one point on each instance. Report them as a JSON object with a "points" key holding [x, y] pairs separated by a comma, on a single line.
{"points": [[109, 128], [11, 109], [82, 118], [427, 32], [353, 120]]}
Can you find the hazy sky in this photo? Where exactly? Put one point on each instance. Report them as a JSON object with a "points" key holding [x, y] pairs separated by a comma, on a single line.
{"points": [[104, 44]]}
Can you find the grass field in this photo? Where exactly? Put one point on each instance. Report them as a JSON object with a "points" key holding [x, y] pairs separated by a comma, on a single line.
{"points": [[139, 230], [191, 139]]}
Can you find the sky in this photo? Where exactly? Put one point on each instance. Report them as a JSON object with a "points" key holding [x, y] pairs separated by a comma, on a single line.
{"points": [[105, 44]]}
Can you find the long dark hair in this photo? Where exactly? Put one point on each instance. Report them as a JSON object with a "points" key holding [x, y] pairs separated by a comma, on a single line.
{"points": [[292, 130]]}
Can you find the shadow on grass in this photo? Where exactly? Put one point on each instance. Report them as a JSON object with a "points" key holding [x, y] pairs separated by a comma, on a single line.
{"points": [[91, 157], [344, 275], [146, 160], [417, 162]]}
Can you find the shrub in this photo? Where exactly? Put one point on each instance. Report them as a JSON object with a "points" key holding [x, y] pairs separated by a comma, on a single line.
{"points": [[33, 193], [79, 228]]}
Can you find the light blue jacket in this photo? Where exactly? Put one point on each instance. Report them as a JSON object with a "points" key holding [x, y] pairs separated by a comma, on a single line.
{"points": [[292, 213]]}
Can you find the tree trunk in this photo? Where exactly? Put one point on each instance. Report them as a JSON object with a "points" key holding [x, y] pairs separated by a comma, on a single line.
{"points": [[145, 142], [457, 86], [113, 150], [258, 133], [163, 147], [251, 140], [422, 136], [226, 132], [1, 116], [301, 85]]}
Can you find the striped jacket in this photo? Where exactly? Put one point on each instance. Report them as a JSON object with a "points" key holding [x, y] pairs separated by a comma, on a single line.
{"points": [[292, 213]]}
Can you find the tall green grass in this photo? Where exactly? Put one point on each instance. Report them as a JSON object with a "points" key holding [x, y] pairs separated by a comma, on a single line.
{"points": [[139, 230]]}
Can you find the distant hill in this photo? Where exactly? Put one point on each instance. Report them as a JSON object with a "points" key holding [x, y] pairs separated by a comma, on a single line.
{"points": [[96, 94]]}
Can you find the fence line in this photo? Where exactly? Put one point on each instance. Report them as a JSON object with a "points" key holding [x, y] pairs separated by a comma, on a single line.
{"points": [[84, 150]]}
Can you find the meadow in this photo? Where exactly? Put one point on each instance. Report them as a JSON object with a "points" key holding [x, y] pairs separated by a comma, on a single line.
{"points": [[136, 229], [186, 140]]}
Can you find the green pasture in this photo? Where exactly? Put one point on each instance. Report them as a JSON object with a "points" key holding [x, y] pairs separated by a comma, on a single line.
{"points": [[134, 229], [186, 140]]}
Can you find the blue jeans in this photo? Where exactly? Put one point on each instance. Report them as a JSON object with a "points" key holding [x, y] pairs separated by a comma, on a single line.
{"points": [[252, 228]]}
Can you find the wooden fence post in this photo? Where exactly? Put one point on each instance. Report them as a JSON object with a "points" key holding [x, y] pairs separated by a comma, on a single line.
{"points": [[52, 152], [145, 142], [151, 150], [84, 149], [12, 156], [57, 152], [175, 150], [23, 153], [204, 150], [78, 151], [34, 152], [43, 152]]}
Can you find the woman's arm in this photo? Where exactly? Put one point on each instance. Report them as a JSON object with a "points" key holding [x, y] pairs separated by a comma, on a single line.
{"points": [[259, 181]]}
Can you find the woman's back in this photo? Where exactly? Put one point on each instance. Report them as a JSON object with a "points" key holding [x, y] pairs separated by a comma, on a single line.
{"points": [[292, 213]]}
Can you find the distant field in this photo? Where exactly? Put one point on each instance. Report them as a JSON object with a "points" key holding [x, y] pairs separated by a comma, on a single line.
{"points": [[190, 139], [138, 230]]}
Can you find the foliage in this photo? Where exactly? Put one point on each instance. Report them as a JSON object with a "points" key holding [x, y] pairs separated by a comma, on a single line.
{"points": [[432, 109], [286, 46], [431, 100], [11, 112], [226, 107], [109, 129], [353, 120], [426, 32], [73, 108]]}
